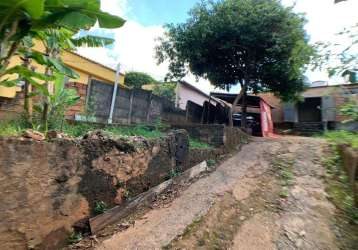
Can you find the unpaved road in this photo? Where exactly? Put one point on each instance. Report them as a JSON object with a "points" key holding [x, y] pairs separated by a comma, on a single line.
{"points": [[270, 195]]}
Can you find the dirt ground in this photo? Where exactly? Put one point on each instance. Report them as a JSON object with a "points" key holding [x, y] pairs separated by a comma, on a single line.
{"points": [[270, 195]]}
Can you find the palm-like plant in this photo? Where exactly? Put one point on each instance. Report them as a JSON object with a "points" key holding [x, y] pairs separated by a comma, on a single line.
{"points": [[54, 23], [22, 18]]}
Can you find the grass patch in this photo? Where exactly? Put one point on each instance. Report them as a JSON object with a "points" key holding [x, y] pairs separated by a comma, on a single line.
{"points": [[211, 163], [284, 167], [342, 137], [18, 126], [100, 207], [194, 143], [338, 188], [139, 130], [75, 237], [13, 127]]}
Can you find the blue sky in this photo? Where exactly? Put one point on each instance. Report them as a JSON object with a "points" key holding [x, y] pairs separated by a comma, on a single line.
{"points": [[158, 12], [136, 40]]}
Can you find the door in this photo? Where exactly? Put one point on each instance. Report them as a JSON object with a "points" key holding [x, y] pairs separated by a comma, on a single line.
{"points": [[290, 112], [329, 109]]}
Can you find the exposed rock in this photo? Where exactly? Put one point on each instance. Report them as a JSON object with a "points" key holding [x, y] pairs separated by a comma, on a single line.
{"points": [[35, 135]]}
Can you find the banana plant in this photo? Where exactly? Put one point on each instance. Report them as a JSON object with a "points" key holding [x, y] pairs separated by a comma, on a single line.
{"points": [[54, 23], [58, 102], [22, 18]]}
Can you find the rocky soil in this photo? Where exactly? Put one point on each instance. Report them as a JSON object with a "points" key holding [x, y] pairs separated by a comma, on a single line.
{"points": [[270, 195]]}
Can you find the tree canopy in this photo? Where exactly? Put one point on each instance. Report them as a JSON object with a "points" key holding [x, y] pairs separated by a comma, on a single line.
{"points": [[259, 44], [137, 79]]}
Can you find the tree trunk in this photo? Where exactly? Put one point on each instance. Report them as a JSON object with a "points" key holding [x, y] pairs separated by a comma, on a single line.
{"points": [[27, 91], [236, 101], [45, 101], [244, 110]]}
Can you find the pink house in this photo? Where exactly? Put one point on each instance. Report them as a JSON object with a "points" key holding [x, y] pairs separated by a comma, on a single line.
{"points": [[186, 92]]}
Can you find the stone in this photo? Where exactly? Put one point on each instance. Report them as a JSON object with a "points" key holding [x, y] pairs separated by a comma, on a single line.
{"points": [[302, 233], [35, 135]]}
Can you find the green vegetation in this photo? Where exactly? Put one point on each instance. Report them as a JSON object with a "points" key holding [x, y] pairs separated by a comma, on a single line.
{"points": [[342, 137], [173, 173], [339, 188], [75, 237], [194, 143], [284, 167], [139, 130], [211, 162], [100, 207], [285, 174], [136, 79], [53, 24], [166, 90], [11, 128], [18, 126], [350, 110], [259, 45]]}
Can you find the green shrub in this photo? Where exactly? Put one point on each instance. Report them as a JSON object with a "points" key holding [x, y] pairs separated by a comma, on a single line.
{"points": [[342, 137], [211, 162], [14, 127], [194, 143], [75, 237], [100, 207]]}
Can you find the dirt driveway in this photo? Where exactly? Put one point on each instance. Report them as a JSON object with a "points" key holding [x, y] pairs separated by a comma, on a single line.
{"points": [[270, 195]]}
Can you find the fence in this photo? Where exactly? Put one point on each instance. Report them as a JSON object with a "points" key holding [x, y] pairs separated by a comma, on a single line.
{"points": [[132, 106]]}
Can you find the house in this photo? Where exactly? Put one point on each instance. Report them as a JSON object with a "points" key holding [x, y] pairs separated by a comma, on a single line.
{"points": [[11, 99], [319, 108], [186, 92]]}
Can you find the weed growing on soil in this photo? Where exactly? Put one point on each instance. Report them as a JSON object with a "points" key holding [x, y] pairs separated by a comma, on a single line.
{"points": [[194, 143], [285, 171], [211, 163], [342, 137], [339, 189], [173, 173], [75, 237], [100, 207], [139, 130]]}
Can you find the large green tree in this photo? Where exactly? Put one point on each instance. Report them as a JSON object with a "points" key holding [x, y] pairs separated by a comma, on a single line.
{"points": [[259, 44], [137, 79]]}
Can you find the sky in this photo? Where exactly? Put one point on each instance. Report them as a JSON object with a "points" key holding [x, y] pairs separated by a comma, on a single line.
{"points": [[136, 40]]}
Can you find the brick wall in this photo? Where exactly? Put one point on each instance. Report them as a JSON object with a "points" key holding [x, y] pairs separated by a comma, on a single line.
{"points": [[11, 107], [81, 105]]}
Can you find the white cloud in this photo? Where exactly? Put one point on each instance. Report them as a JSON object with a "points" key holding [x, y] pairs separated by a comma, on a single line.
{"points": [[325, 19], [134, 47]]}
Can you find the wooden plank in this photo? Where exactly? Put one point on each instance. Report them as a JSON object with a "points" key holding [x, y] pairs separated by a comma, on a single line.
{"points": [[119, 212]]}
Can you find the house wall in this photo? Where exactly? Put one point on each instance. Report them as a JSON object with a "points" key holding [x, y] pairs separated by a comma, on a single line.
{"points": [[339, 94], [87, 69], [185, 94]]}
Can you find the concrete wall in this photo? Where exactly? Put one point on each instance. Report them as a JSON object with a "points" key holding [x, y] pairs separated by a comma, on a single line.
{"points": [[47, 187], [216, 135], [133, 106]]}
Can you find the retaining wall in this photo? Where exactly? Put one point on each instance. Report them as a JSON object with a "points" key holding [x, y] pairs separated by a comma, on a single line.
{"points": [[47, 187], [216, 135], [350, 163]]}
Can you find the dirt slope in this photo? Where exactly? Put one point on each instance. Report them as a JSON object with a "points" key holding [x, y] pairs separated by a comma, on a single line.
{"points": [[270, 195]]}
